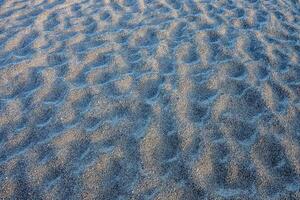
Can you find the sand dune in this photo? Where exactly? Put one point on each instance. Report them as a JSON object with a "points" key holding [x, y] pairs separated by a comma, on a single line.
{"points": [[149, 99]]}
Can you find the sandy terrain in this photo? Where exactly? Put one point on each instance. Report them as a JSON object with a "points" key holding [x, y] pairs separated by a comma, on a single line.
{"points": [[149, 99]]}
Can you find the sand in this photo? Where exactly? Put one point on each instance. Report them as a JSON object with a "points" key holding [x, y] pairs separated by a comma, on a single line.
{"points": [[149, 99]]}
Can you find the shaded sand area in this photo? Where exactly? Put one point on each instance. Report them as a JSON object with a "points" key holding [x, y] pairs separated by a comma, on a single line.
{"points": [[149, 99]]}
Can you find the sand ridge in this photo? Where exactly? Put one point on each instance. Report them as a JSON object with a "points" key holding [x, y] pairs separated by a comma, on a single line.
{"points": [[149, 99]]}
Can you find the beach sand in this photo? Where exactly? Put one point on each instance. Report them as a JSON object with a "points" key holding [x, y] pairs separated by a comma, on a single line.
{"points": [[149, 99]]}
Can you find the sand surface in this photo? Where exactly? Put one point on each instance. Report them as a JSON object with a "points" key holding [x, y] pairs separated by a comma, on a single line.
{"points": [[149, 99]]}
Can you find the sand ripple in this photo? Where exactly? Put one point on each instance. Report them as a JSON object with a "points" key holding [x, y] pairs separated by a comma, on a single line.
{"points": [[149, 99]]}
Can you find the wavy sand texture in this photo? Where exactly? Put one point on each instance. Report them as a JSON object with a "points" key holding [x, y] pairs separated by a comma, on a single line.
{"points": [[149, 99]]}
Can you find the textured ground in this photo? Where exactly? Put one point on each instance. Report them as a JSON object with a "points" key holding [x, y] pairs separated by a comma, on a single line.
{"points": [[149, 99]]}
